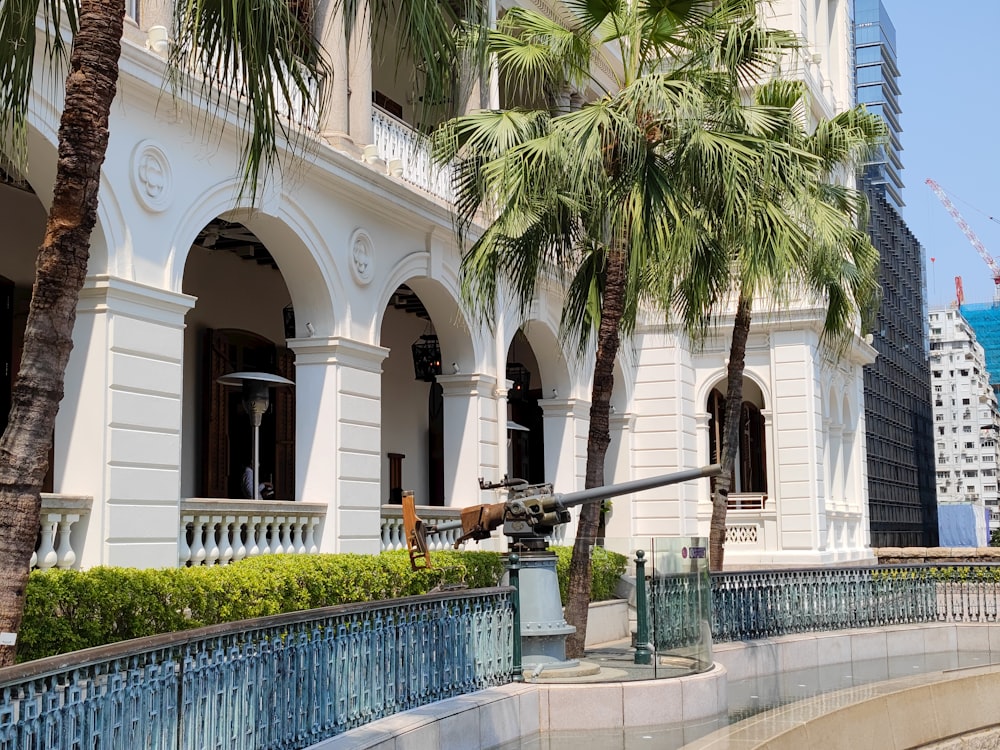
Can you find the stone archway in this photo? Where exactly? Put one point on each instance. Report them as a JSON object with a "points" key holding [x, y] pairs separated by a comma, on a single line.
{"points": [[238, 324]]}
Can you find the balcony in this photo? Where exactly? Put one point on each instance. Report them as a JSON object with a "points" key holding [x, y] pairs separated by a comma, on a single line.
{"points": [[407, 155]]}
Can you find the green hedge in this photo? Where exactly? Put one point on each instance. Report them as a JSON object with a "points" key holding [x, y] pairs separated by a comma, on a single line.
{"points": [[67, 610], [608, 567]]}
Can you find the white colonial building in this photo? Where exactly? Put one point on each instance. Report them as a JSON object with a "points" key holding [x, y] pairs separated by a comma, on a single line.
{"points": [[331, 281]]}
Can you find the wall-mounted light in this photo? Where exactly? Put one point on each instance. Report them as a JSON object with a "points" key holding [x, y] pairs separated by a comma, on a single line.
{"points": [[288, 319]]}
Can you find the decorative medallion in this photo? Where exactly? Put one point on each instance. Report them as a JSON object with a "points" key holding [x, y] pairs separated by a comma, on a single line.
{"points": [[151, 177], [362, 257]]}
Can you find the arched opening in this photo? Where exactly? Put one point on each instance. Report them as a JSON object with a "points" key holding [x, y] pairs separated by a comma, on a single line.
{"points": [[750, 466], [23, 217], [412, 401], [525, 431], [237, 325]]}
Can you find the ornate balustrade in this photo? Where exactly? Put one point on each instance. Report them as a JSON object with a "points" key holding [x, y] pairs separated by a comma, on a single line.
{"points": [[60, 513], [398, 143], [393, 536], [217, 532], [748, 522], [288, 681]]}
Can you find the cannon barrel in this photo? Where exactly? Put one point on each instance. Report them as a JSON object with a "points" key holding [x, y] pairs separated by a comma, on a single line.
{"points": [[572, 499]]}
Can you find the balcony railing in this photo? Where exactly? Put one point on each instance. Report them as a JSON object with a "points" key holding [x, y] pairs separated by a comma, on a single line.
{"points": [[398, 143], [217, 532], [746, 500], [394, 538], [60, 513]]}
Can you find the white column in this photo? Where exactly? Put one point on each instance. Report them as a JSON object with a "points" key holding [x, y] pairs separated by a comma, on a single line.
{"points": [[565, 423], [119, 428], [360, 77], [338, 427], [468, 429], [330, 30], [619, 469], [666, 436], [798, 445], [702, 420]]}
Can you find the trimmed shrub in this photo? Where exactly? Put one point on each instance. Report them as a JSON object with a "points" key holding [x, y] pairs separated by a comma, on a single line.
{"points": [[68, 610], [607, 568]]}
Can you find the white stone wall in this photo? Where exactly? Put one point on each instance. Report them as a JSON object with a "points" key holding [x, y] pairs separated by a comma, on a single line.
{"points": [[345, 234]]}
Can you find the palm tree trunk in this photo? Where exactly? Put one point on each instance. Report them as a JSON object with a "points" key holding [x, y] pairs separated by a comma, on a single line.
{"points": [[60, 271], [730, 431], [598, 439]]}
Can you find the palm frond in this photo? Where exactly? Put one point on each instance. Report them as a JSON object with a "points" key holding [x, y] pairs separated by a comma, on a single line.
{"points": [[536, 54], [17, 59], [259, 62]]}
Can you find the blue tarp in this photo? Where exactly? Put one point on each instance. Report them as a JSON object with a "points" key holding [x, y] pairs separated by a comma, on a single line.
{"points": [[961, 525]]}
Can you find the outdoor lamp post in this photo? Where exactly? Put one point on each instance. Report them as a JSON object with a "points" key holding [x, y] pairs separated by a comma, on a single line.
{"points": [[256, 398]]}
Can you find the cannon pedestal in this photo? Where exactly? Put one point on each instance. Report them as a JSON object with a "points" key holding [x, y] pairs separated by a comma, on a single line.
{"points": [[543, 627]]}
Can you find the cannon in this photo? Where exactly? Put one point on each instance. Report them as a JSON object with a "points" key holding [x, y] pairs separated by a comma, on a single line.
{"points": [[529, 514]]}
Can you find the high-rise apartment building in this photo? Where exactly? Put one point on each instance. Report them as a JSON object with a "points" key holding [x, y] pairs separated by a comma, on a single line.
{"points": [[966, 418], [902, 500], [877, 88]]}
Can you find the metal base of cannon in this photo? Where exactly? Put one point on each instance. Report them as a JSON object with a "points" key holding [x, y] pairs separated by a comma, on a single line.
{"points": [[543, 628]]}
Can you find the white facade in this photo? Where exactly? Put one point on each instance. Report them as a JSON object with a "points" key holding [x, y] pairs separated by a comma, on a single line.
{"points": [[966, 418], [363, 250]]}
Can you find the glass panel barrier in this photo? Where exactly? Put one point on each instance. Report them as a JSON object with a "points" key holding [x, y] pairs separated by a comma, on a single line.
{"points": [[659, 626], [680, 605]]}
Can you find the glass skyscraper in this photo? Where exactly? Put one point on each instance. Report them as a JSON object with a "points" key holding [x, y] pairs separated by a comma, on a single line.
{"points": [[877, 88], [902, 498]]}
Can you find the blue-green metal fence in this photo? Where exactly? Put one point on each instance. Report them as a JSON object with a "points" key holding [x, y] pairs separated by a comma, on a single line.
{"points": [[761, 604], [287, 681]]}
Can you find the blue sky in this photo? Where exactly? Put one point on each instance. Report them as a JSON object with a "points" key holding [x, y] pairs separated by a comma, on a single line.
{"points": [[949, 63]]}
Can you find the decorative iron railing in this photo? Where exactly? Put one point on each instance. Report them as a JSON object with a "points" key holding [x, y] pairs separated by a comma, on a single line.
{"points": [[677, 611], [217, 532], [287, 681], [761, 604]]}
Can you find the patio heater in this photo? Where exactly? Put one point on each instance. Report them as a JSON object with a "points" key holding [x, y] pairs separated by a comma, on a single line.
{"points": [[256, 398]]}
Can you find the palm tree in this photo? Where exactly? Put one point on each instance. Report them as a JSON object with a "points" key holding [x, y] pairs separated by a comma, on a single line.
{"points": [[600, 195], [830, 255], [222, 38], [257, 59]]}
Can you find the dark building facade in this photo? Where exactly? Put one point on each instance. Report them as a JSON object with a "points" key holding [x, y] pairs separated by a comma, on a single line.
{"points": [[899, 423]]}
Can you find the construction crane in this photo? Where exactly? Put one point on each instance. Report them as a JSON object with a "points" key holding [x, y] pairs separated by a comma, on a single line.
{"points": [[959, 292], [980, 248]]}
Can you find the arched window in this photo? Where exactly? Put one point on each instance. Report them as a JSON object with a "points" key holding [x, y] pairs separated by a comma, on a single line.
{"points": [[750, 467]]}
